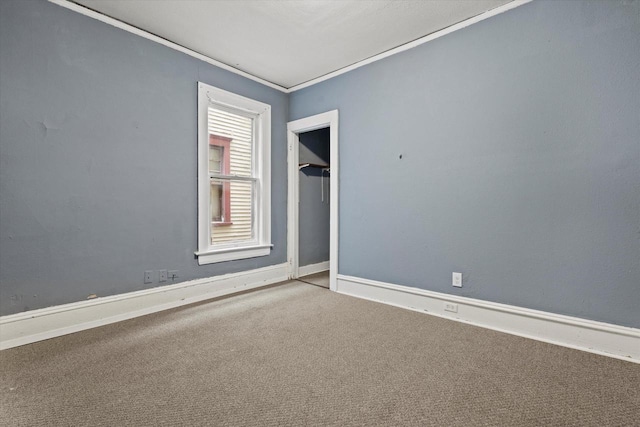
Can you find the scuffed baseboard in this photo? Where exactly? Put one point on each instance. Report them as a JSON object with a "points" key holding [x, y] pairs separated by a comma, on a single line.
{"points": [[596, 337], [37, 325]]}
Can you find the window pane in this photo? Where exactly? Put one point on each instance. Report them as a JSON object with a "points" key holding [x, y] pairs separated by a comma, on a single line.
{"points": [[240, 130], [236, 212], [216, 196], [215, 159]]}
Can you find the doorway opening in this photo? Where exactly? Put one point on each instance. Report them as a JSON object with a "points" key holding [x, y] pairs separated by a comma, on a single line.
{"points": [[313, 207], [313, 161]]}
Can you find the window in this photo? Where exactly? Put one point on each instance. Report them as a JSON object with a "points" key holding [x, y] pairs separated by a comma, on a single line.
{"points": [[234, 141], [219, 164]]}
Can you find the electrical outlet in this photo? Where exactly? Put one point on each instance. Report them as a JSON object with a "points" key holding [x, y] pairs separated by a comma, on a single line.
{"points": [[173, 274], [456, 280], [448, 306], [162, 275], [148, 276]]}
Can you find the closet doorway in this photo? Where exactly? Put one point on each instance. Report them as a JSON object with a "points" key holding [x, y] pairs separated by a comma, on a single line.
{"points": [[312, 224]]}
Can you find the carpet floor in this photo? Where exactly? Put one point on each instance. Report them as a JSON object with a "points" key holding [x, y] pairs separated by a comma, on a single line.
{"points": [[318, 279], [297, 354]]}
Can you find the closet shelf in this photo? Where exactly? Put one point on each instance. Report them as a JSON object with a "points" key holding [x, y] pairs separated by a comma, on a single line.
{"points": [[312, 165]]}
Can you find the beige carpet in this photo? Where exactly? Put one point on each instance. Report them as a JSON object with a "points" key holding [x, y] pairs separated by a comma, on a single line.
{"points": [[319, 279], [297, 354]]}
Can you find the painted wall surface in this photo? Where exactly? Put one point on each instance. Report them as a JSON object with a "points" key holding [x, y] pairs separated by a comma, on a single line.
{"points": [[520, 168], [313, 210], [98, 145]]}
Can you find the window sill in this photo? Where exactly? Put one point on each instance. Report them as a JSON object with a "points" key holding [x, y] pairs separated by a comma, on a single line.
{"points": [[230, 254]]}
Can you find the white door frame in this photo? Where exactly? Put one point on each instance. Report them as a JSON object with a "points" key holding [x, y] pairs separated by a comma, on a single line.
{"points": [[294, 128]]}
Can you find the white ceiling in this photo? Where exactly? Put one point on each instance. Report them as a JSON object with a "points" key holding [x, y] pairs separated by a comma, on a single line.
{"points": [[289, 42]]}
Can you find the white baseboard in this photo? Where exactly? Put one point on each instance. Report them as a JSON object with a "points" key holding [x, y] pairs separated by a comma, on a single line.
{"points": [[37, 325], [595, 337], [313, 268]]}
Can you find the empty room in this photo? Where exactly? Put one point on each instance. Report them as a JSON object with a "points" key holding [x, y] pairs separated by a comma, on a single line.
{"points": [[320, 212]]}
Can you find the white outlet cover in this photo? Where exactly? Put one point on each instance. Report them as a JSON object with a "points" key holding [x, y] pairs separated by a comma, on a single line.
{"points": [[456, 280], [448, 306]]}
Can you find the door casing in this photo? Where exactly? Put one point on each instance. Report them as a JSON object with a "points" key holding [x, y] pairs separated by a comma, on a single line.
{"points": [[294, 129]]}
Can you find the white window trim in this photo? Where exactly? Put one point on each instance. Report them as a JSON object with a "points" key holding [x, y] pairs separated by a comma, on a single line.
{"points": [[261, 246]]}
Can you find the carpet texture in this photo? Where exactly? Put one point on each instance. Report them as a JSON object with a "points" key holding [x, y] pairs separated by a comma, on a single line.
{"points": [[297, 354], [318, 279]]}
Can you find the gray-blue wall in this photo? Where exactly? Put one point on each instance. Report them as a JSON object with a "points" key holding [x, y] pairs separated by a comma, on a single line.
{"points": [[520, 143], [520, 138], [98, 158], [313, 211]]}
